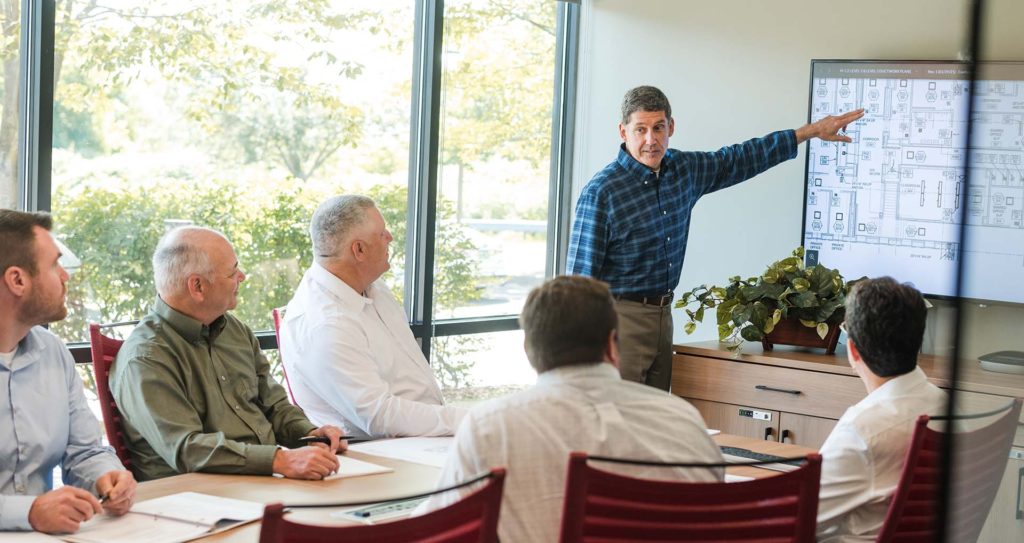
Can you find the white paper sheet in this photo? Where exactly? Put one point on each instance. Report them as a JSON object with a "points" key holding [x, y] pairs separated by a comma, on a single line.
{"points": [[350, 467], [169, 519], [432, 451], [713, 432]]}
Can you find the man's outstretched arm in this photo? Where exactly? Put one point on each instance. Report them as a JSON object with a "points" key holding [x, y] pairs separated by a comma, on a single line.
{"points": [[829, 127]]}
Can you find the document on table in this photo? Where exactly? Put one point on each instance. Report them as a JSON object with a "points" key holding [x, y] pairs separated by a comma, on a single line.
{"points": [[432, 451], [170, 519], [350, 467], [713, 432]]}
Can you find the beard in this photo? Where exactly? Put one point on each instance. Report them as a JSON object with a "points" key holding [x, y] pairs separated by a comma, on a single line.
{"points": [[38, 310]]}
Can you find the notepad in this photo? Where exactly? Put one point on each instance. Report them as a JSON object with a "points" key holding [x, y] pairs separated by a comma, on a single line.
{"points": [[350, 467], [432, 451], [170, 519]]}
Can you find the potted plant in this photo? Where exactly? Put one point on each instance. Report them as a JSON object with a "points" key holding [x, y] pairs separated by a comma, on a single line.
{"points": [[788, 304]]}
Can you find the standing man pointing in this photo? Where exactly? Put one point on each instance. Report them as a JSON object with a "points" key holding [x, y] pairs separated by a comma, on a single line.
{"points": [[633, 218]]}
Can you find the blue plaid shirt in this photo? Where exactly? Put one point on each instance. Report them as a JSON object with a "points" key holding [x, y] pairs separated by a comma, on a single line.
{"points": [[631, 223]]}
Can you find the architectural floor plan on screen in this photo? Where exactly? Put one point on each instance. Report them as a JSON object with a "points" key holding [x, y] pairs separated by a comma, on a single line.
{"points": [[893, 200]]}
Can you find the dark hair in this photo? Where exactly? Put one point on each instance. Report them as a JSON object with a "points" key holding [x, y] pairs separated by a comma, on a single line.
{"points": [[567, 321], [645, 98], [18, 238], [885, 321]]}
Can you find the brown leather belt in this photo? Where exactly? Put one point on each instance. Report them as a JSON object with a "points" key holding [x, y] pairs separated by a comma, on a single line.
{"points": [[660, 300]]}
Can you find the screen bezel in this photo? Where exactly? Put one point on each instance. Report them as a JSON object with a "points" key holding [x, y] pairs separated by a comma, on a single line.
{"points": [[807, 148]]}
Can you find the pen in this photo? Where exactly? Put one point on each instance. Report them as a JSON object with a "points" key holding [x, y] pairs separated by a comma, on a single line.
{"points": [[326, 440], [104, 498]]}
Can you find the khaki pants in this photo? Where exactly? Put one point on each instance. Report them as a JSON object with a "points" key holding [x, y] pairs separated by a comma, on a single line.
{"points": [[645, 343]]}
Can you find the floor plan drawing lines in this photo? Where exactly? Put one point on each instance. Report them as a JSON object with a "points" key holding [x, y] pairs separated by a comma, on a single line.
{"points": [[894, 200]]}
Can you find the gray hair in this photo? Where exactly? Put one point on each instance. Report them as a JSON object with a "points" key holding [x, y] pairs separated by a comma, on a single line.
{"points": [[645, 98], [178, 256], [334, 220]]}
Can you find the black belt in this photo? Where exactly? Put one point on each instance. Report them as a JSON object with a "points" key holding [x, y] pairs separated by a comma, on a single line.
{"points": [[660, 300]]}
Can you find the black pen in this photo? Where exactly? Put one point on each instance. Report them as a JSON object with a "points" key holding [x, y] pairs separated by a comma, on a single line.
{"points": [[103, 498], [327, 441]]}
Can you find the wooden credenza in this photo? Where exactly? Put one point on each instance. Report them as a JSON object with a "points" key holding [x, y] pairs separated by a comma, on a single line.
{"points": [[796, 396]]}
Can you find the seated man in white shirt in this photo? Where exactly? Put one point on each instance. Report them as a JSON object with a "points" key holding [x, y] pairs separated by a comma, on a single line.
{"points": [[863, 456], [349, 354], [578, 404]]}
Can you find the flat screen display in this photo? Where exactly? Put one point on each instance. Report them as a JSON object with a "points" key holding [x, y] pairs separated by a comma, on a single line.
{"points": [[894, 200]]}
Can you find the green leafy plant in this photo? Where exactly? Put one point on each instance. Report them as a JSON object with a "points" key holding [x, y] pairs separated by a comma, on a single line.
{"points": [[748, 309]]}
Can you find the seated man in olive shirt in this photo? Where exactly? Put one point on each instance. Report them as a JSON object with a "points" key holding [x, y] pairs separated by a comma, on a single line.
{"points": [[193, 386]]}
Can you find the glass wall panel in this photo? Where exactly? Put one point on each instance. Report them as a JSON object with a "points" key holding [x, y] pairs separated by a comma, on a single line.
{"points": [[496, 106], [240, 116], [478, 367]]}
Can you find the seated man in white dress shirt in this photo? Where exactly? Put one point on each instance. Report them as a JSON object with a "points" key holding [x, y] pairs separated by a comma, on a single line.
{"points": [[863, 456], [350, 356], [578, 404], [46, 421]]}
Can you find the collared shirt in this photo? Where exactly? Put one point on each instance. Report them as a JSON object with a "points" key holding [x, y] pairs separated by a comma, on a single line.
{"points": [[45, 423], [632, 223], [200, 398], [575, 408], [352, 361], [863, 456]]}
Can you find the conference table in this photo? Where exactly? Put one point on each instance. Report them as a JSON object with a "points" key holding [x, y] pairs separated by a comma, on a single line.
{"points": [[407, 478]]}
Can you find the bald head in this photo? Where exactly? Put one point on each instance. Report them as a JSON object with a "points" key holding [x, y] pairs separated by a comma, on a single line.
{"points": [[183, 252]]}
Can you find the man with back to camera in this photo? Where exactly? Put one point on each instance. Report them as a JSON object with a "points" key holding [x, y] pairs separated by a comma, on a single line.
{"points": [[345, 341], [46, 419], [633, 218], [579, 403], [192, 384], [863, 456]]}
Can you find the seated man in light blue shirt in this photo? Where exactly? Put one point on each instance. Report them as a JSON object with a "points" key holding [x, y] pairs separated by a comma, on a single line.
{"points": [[46, 421]]}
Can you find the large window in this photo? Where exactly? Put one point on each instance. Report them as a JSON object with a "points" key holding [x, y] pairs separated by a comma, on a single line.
{"points": [[243, 116], [10, 121]]}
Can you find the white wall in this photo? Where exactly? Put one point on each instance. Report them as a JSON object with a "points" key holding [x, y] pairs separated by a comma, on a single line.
{"points": [[736, 69]]}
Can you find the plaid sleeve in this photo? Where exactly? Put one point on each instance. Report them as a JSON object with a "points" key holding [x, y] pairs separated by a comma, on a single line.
{"points": [[589, 239], [735, 163]]}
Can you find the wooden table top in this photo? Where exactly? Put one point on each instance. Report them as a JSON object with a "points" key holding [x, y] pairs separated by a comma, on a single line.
{"points": [[408, 478]]}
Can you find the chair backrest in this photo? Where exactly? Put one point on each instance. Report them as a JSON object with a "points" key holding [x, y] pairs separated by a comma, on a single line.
{"points": [[607, 507], [278, 313], [980, 458], [473, 519], [104, 350]]}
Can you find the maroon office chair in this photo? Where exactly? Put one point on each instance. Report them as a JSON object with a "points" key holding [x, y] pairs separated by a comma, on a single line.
{"points": [[980, 457], [277, 314], [606, 507], [104, 350], [473, 519]]}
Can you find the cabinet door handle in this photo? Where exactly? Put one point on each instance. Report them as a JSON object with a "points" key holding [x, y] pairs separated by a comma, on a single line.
{"points": [[784, 436], [1020, 479], [773, 389], [768, 433]]}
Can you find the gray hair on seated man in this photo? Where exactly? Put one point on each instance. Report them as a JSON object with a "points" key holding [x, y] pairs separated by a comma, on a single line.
{"points": [[334, 219], [178, 255]]}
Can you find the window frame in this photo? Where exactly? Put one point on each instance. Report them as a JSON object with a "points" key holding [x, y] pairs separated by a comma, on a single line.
{"points": [[36, 136]]}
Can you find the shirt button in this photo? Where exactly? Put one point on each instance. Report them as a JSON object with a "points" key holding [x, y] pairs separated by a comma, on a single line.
{"points": [[645, 182], [222, 378], [670, 265], [669, 238], [237, 407], [20, 489], [664, 212]]}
